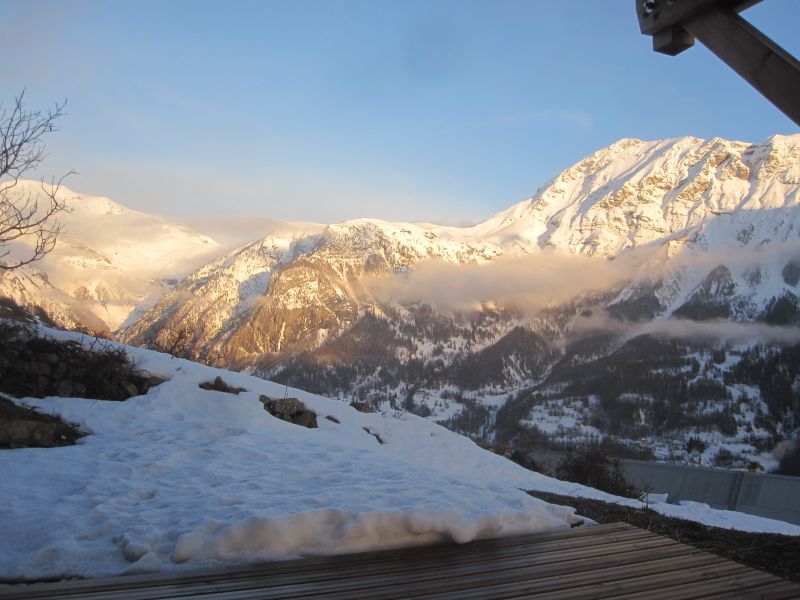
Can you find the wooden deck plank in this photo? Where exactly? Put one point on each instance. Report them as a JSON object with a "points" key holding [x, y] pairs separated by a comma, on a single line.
{"points": [[643, 584], [601, 585], [610, 560], [742, 583], [570, 578], [398, 572], [589, 536], [364, 564], [418, 586], [523, 581], [453, 567], [780, 590]]}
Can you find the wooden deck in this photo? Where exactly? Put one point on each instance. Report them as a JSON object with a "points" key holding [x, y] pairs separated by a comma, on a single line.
{"points": [[618, 561]]}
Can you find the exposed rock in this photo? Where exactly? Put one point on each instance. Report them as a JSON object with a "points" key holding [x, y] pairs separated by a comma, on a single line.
{"points": [[712, 298], [22, 427], [149, 382], [332, 419], [362, 407], [291, 410], [37, 366], [131, 389], [219, 385], [375, 435]]}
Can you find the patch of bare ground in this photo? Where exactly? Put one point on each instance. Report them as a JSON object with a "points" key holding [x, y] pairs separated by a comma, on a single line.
{"points": [[776, 554], [22, 427]]}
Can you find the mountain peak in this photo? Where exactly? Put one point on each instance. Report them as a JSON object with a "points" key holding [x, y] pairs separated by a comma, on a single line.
{"points": [[635, 192]]}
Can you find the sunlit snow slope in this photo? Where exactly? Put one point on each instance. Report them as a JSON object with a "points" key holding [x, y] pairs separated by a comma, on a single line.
{"points": [[108, 261]]}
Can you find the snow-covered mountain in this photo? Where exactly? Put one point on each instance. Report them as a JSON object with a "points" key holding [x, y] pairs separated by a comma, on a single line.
{"points": [[714, 219], [108, 262], [491, 329], [285, 292], [634, 193]]}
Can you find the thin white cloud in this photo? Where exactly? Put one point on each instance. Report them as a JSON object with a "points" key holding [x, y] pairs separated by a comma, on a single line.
{"points": [[726, 332], [715, 331]]}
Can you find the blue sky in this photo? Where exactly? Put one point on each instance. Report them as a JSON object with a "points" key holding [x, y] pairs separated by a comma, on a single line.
{"points": [[437, 110]]}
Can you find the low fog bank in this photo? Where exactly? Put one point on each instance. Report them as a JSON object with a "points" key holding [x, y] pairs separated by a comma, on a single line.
{"points": [[728, 332], [717, 331], [550, 279], [528, 283]]}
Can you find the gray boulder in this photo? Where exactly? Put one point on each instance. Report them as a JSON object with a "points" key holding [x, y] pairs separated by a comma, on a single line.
{"points": [[219, 385], [291, 410]]}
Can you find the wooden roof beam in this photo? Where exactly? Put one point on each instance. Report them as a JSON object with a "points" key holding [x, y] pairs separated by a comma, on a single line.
{"points": [[674, 25]]}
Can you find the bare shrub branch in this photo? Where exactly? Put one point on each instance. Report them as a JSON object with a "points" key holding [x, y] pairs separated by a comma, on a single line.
{"points": [[24, 213]]}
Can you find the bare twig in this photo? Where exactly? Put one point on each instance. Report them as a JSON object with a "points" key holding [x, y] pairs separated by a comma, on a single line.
{"points": [[24, 213]]}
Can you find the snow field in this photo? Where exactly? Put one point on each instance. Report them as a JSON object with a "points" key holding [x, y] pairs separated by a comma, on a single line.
{"points": [[185, 478]]}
